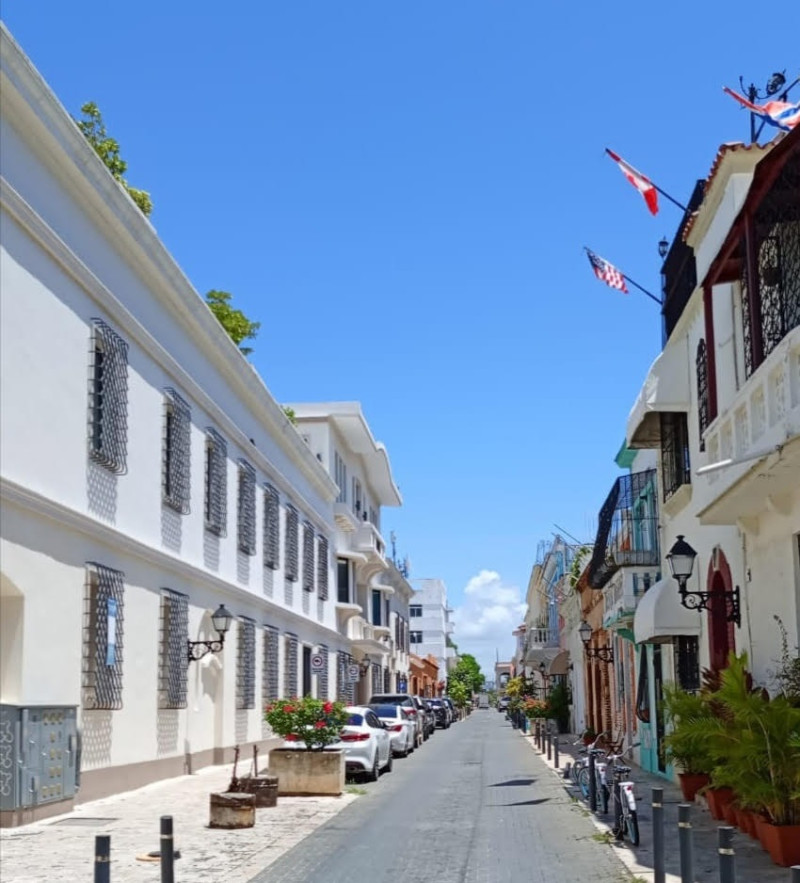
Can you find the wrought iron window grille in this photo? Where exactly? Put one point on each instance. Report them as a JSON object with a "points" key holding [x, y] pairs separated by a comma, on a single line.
{"points": [[108, 398], [272, 527], [675, 465], [291, 543], [701, 369], [246, 511], [176, 473], [216, 484], [173, 670], [308, 557], [246, 664], [103, 631], [323, 567], [322, 677], [270, 681], [290, 669], [687, 662]]}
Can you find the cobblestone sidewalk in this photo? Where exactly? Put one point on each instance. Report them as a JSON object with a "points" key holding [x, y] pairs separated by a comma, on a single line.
{"points": [[62, 848]]}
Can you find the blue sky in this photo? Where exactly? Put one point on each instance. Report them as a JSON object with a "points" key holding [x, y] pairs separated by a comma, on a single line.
{"points": [[400, 193]]}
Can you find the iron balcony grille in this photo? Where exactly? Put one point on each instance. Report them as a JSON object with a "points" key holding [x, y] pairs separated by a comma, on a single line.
{"points": [[290, 682], [246, 512], [270, 683], [627, 531], [323, 567], [103, 632], [679, 271], [246, 665], [675, 466], [308, 556], [272, 527], [108, 398], [176, 473], [216, 502], [322, 677], [291, 543], [701, 369], [173, 670]]}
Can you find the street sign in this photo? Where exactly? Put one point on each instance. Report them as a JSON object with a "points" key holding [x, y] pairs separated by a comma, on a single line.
{"points": [[317, 663], [353, 673]]}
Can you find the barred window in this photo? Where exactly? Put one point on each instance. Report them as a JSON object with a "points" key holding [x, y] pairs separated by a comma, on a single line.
{"points": [[216, 502], [674, 452], [308, 556], [270, 684], [102, 637], [322, 677], [323, 566], [173, 667], [108, 398], [176, 458], [687, 662], [290, 684], [701, 369], [272, 528], [416, 637], [246, 519], [345, 688], [246, 664], [291, 543]]}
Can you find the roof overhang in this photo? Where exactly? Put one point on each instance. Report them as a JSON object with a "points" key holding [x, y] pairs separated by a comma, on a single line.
{"points": [[665, 389], [660, 616], [349, 422]]}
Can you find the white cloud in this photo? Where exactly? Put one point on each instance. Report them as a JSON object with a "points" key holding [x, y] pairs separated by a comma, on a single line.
{"points": [[484, 622]]}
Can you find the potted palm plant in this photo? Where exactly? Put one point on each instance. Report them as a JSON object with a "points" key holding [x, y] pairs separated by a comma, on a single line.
{"points": [[685, 747]]}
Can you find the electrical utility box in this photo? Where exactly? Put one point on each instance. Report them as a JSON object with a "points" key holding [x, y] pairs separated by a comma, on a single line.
{"points": [[38, 755]]}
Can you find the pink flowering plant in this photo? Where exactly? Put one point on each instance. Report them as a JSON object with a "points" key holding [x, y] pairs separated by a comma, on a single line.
{"points": [[312, 723]]}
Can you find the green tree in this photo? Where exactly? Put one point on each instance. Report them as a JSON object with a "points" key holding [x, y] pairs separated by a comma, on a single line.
{"points": [[107, 149], [468, 672], [234, 321]]}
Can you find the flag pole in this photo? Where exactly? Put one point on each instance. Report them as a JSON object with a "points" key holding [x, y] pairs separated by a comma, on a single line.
{"points": [[644, 290]]}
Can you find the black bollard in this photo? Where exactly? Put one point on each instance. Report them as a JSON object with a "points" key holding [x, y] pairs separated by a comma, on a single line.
{"points": [[795, 874], [102, 858], [555, 750], [167, 851], [685, 842], [592, 784], [658, 836], [549, 746], [727, 857]]}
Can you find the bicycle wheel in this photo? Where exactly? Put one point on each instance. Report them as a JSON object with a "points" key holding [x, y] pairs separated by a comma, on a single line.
{"points": [[583, 782], [604, 795], [632, 827]]}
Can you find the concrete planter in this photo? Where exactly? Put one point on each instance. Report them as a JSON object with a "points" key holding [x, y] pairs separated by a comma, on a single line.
{"points": [[303, 773]]}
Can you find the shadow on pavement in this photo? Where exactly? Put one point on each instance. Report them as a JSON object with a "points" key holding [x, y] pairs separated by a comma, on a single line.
{"points": [[512, 782]]}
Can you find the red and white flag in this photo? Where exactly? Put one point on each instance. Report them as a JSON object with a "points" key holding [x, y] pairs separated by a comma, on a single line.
{"points": [[642, 183], [606, 272]]}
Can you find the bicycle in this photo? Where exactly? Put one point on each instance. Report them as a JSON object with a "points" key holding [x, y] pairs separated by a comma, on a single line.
{"points": [[626, 820]]}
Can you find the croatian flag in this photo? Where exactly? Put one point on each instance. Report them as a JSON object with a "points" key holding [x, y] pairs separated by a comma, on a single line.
{"points": [[642, 183], [606, 272], [780, 114]]}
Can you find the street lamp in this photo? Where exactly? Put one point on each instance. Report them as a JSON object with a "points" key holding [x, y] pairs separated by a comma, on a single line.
{"points": [[681, 564], [775, 85], [663, 247], [364, 665], [604, 654], [221, 620]]}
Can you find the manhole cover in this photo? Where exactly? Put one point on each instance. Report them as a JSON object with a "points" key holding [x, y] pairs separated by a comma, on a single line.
{"points": [[85, 822]]}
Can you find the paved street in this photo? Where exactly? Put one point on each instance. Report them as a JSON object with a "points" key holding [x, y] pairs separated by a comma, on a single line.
{"points": [[473, 805]]}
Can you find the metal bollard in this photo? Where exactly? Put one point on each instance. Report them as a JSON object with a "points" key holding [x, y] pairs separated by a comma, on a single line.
{"points": [[658, 836], [102, 858], [592, 784], [795, 874], [167, 851], [727, 856], [549, 746], [685, 842], [555, 750]]}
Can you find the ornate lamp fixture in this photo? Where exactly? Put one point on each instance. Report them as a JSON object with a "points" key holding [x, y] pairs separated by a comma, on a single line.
{"points": [[604, 654], [364, 665], [681, 563], [221, 620]]}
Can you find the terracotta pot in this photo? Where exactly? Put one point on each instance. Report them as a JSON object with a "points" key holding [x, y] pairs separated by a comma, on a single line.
{"points": [[718, 799], [782, 842], [691, 783], [761, 824], [746, 822], [729, 812]]}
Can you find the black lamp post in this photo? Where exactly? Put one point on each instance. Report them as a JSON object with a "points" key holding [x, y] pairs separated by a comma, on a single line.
{"points": [[775, 84], [663, 247], [604, 654], [681, 564], [221, 620]]}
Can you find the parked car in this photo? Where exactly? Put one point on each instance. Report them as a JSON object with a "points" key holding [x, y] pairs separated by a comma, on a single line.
{"points": [[409, 706], [402, 730], [429, 721], [503, 702], [453, 709], [441, 713], [366, 743]]}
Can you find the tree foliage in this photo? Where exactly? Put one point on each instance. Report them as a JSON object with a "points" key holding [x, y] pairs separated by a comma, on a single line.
{"points": [[107, 149], [237, 325], [468, 672]]}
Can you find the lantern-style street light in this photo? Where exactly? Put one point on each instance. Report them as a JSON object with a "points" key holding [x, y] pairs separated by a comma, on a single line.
{"points": [[681, 563], [221, 620], [604, 654]]}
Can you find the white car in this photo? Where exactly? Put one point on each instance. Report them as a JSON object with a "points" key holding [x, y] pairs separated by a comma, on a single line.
{"points": [[366, 743], [402, 730]]}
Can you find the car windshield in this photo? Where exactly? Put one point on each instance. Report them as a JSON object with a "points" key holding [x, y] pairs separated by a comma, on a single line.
{"points": [[437, 702], [355, 720], [385, 710]]}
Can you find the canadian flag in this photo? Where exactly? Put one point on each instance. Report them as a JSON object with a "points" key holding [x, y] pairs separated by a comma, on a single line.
{"points": [[643, 184]]}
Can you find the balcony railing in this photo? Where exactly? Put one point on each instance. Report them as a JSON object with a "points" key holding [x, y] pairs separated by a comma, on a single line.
{"points": [[537, 639], [679, 272], [627, 532]]}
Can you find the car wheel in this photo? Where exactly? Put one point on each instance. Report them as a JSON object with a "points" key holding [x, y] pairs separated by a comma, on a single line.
{"points": [[388, 767], [372, 775]]}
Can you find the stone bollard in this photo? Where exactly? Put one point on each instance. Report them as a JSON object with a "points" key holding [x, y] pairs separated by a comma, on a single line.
{"points": [[232, 809], [263, 786]]}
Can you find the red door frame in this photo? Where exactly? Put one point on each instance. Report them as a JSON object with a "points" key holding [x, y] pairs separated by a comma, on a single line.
{"points": [[721, 633]]}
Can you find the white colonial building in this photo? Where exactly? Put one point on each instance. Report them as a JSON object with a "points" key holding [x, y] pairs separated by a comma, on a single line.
{"points": [[148, 479], [430, 626]]}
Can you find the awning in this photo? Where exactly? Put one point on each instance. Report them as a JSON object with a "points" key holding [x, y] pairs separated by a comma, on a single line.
{"points": [[560, 665], [660, 615], [666, 388], [538, 655]]}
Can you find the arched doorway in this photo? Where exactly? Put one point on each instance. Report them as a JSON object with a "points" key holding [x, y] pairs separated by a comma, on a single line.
{"points": [[721, 634]]}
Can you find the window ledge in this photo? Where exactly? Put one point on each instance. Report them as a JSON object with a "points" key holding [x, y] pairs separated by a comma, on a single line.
{"points": [[678, 501]]}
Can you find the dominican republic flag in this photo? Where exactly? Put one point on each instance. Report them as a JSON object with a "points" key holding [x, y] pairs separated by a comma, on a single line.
{"points": [[606, 272], [643, 184], [780, 114]]}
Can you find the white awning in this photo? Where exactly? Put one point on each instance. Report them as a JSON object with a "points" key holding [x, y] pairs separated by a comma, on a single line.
{"points": [[660, 616], [666, 388], [560, 665], [537, 655]]}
